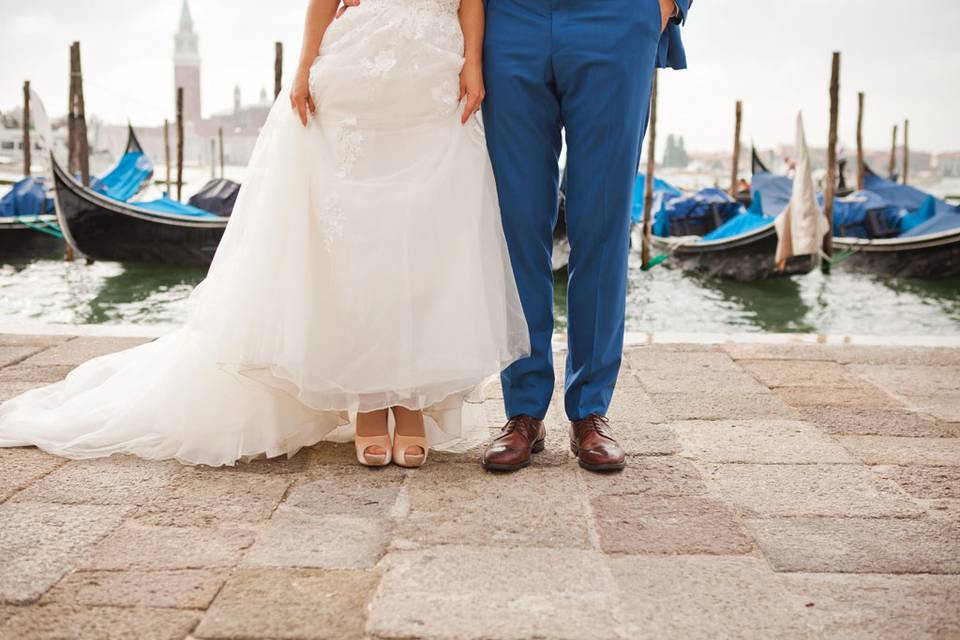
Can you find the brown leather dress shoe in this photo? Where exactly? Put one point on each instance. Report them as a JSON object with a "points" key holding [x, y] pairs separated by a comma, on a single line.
{"points": [[521, 436], [594, 446]]}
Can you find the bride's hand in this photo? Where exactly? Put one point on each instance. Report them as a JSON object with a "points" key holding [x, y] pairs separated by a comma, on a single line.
{"points": [[471, 86], [300, 98]]}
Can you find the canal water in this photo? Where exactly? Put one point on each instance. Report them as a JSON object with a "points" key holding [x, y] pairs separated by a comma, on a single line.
{"points": [[663, 300]]}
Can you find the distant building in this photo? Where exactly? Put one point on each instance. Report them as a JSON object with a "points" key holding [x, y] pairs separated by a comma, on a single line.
{"points": [[948, 165], [241, 124], [186, 66]]}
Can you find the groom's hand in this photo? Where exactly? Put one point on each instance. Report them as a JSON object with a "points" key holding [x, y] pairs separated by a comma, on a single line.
{"points": [[668, 11]]}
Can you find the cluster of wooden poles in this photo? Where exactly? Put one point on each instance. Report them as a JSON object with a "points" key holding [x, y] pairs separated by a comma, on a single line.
{"points": [[831, 178]]}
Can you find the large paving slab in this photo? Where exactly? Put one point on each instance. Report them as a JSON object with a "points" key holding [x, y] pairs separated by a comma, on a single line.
{"points": [[527, 593], [858, 545], [705, 597], [21, 467], [135, 546], [893, 450], [638, 524], [764, 441], [448, 504], [802, 373], [945, 406], [79, 350], [866, 397], [57, 622], [296, 604], [810, 490], [39, 543], [182, 589], [205, 497], [298, 539], [878, 422], [881, 607], [924, 482], [719, 405], [648, 475], [120, 480], [911, 380], [33, 375]]}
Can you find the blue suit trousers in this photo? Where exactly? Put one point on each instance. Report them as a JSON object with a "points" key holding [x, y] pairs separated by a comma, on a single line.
{"points": [[584, 67]]}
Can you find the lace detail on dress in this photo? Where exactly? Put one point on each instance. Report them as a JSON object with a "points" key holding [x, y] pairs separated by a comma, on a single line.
{"points": [[332, 219], [380, 65], [349, 146]]}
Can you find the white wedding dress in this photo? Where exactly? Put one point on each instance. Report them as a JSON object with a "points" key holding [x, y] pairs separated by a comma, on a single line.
{"points": [[364, 266]]}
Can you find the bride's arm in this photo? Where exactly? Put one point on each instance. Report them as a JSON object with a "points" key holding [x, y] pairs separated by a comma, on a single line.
{"points": [[320, 14], [471, 77]]}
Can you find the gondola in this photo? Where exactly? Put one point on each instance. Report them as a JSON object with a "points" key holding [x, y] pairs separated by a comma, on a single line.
{"points": [[36, 234], [103, 228], [877, 241], [929, 250], [745, 256]]}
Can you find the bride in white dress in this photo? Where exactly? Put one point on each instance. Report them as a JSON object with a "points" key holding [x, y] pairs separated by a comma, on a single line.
{"points": [[363, 273]]}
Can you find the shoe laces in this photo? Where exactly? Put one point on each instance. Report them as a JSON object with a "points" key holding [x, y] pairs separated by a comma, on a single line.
{"points": [[524, 423], [595, 422]]}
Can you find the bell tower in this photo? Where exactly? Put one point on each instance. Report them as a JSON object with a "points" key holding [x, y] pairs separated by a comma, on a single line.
{"points": [[186, 65]]}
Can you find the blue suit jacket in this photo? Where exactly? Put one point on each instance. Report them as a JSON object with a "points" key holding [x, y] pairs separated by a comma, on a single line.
{"points": [[671, 53]]}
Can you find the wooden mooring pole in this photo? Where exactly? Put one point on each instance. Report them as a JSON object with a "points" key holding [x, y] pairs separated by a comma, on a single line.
{"points": [[735, 171], [906, 151], [831, 186], [220, 134], [26, 129], [166, 150], [79, 147], [861, 170], [892, 165], [213, 158], [277, 68], [648, 181], [179, 143]]}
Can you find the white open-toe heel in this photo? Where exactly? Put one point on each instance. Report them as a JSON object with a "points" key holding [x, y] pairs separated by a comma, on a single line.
{"points": [[368, 459], [410, 451]]}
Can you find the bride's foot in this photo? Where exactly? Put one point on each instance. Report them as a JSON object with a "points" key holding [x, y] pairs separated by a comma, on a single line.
{"points": [[409, 440], [373, 439]]}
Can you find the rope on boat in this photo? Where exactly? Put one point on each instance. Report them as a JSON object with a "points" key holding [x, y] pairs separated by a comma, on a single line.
{"points": [[42, 226], [654, 261], [837, 258]]}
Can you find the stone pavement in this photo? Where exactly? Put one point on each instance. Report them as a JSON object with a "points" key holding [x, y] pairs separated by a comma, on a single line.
{"points": [[773, 492]]}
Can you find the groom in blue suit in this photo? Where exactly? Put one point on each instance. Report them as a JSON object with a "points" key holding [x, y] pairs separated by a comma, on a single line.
{"points": [[585, 67]]}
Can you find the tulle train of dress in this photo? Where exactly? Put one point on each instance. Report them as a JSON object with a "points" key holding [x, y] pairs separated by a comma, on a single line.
{"points": [[364, 266]]}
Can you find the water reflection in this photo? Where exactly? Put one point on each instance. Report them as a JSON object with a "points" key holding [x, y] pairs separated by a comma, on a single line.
{"points": [[663, 300]]}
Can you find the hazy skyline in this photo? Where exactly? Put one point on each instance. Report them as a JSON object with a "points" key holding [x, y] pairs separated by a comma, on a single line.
{"points": [[775, 56]]}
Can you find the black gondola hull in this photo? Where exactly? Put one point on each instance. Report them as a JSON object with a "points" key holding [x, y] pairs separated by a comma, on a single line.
{"points": [[104, 229], [747, 257], [19, 241], [933, 256]]}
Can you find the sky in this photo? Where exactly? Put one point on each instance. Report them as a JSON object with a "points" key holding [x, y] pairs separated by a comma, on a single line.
{"points": [[772, 54]]}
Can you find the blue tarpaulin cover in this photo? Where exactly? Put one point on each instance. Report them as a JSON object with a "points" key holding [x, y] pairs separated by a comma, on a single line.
{"points": [[125, 180], [662, 191], [166, 205], [688, 214], [901, 210], [744, 222], [27, 198], [923, 213]]}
